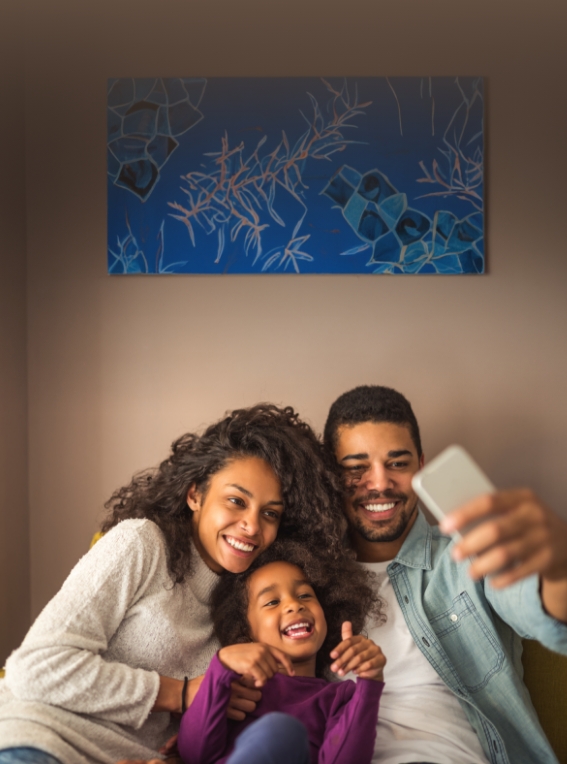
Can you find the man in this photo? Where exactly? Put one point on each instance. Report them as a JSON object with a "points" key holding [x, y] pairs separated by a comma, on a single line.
{"points": [[452, 637]]}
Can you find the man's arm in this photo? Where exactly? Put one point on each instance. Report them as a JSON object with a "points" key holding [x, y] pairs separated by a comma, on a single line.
{"points": [[520, 537]]}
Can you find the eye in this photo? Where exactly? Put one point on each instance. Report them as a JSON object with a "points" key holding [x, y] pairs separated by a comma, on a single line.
{"points": [[306, 596], [237, 500], [357, 468], [398, 465], [271, 514], [271, 603]]}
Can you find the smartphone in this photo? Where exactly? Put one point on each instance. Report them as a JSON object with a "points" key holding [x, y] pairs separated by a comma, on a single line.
{"points": [[448, 481]]}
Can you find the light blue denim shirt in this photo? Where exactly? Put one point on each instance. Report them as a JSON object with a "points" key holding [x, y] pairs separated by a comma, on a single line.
{"points": [[471, 634]]}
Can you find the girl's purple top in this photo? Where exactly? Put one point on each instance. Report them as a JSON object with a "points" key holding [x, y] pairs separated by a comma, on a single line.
{"points": [[340, 717]]}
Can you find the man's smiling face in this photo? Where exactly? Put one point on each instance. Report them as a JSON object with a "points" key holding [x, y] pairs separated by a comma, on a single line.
{"points": [[378, 461]]}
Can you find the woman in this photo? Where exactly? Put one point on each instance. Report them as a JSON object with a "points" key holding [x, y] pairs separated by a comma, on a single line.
{"points": [[127, 639]]}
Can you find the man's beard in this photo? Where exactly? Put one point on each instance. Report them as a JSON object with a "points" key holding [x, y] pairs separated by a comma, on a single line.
{"points": [[389, 532]]}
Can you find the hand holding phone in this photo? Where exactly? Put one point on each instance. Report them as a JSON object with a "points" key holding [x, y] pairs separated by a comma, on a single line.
{"points": [[450, 480]]}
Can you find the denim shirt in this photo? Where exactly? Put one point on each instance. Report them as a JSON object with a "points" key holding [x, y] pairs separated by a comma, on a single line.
{"points": [[471, 634]]}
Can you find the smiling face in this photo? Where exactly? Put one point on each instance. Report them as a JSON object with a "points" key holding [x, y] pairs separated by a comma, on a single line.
{"points": [[284, 612], [237, 516], [378, 461]]}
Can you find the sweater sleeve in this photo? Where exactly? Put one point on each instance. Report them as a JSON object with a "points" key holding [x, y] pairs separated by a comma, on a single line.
{"points": [[204, 726], [351, 727], [61, 661]]}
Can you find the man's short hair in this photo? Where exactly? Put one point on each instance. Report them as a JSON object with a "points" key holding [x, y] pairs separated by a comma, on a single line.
{"points": [[370, 403]]}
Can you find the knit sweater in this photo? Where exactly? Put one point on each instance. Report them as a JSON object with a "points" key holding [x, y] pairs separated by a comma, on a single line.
{"points": [[83, 682]]}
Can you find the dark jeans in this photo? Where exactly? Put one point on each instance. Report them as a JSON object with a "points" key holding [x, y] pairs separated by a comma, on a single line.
{"points": [[273, 739]]}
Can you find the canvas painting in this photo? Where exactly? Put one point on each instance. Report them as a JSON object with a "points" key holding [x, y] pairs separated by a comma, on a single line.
{"points": [[362, 175]]}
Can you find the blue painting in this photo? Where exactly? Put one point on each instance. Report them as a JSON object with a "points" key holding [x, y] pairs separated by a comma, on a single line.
{"points": [[296, 175]]}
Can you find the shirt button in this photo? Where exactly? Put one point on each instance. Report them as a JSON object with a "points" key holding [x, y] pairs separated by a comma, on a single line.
{"points": [[454, 617], [406, 600], [425, 642]]}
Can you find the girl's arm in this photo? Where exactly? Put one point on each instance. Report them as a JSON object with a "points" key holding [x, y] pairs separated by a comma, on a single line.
{"points": [[204, 726], [351, 728], [60, 661]]}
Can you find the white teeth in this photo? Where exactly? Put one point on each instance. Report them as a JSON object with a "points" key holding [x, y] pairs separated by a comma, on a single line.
{"points": [[239, 545], [380, 507], [296, 627]]}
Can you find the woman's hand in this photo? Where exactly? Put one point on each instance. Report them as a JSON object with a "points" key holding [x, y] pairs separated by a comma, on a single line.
{"points": [[358, 654], [255, 660], [170, 690], [243, 700]]}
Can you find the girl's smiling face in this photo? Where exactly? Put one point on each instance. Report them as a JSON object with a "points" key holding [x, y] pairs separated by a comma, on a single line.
{"points": [[237, 516], [284, 612]]}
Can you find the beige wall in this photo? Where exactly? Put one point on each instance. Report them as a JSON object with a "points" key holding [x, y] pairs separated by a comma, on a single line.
{"points": [[14, 527], [120, 366]]}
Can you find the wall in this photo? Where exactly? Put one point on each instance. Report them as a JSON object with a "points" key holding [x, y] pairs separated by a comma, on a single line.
{"points": [[120, 366], [14, 527]]}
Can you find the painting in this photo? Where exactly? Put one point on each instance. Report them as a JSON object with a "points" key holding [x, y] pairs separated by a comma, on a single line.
{"points": [[361, 175]]}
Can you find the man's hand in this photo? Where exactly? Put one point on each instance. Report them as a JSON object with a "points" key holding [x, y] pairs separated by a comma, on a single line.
{"points": [[520, 537], [255, 660], [243, 699], [358, 654]]}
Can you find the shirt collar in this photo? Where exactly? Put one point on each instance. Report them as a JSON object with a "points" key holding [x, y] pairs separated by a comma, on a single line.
{"points": [[416, 549]]}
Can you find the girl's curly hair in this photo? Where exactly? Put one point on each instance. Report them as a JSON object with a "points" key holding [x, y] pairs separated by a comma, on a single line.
{"points": [[344, 589], [310, 488]]}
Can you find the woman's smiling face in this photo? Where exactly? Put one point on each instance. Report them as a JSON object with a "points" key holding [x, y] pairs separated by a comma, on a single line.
{"points": [[238, 515]]}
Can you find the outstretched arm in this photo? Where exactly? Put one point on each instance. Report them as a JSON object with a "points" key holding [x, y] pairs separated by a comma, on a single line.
{"points": [[520, 537]]}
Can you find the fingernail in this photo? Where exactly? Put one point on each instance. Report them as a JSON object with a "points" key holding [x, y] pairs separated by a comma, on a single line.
{"points": [[447, 525], [457, 555]]}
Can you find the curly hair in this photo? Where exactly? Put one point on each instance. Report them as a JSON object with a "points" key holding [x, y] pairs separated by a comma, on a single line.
{"points": [[310, 489], [344, 589], [370, 403]]}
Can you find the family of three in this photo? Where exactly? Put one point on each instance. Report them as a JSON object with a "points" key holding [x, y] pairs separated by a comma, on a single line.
{"points": [[228, 599]]}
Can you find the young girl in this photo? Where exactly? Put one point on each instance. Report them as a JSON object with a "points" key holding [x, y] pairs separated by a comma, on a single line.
{"points": [[278, 623]]}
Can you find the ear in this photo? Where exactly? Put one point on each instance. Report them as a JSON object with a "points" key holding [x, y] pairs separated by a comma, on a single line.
{"points": [[193, 498], [421, 461]]}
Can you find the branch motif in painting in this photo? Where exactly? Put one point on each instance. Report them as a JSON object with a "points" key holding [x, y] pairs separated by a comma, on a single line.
{"points": [[460, 173], [237, 195]]}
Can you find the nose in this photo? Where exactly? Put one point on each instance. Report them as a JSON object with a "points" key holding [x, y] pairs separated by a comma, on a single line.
{"points": [[294, 605], [377, 478], [250, 522]]}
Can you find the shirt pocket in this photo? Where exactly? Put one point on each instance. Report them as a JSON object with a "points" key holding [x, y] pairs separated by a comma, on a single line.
{"points": [[472, 647]]}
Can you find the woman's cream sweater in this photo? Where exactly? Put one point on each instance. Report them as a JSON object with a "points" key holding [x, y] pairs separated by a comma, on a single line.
{"points": [[83, 682]]}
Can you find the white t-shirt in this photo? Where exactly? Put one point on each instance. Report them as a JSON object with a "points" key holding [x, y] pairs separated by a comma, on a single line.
{"points": [[420, 720]]}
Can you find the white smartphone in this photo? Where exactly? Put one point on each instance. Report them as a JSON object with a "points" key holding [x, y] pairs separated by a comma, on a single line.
{"points": [[448, 481]]}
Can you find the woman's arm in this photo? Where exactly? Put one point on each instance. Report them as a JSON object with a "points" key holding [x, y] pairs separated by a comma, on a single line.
{"points": [[61, 661]]}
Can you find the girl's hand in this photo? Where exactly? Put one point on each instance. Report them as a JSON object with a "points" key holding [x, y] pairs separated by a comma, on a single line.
{"points": [[358, 654], [255, 660]]}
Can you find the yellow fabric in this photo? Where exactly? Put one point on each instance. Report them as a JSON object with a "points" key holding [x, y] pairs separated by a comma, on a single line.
{"points": [[545, 675], [95, 538]]}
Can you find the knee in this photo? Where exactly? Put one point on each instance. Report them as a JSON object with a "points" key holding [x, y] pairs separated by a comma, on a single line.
{"points": [[285, 727]]}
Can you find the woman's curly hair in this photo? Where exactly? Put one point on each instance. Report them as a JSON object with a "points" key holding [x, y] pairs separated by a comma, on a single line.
{"points": [[310, 489], [344, 589]]}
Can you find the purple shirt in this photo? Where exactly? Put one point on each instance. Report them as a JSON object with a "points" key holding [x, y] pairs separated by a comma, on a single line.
{"points": [[340, 717]]}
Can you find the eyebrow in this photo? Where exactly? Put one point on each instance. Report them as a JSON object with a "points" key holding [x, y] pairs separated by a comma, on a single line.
{"points": [[391, 455], [248, 493]]}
